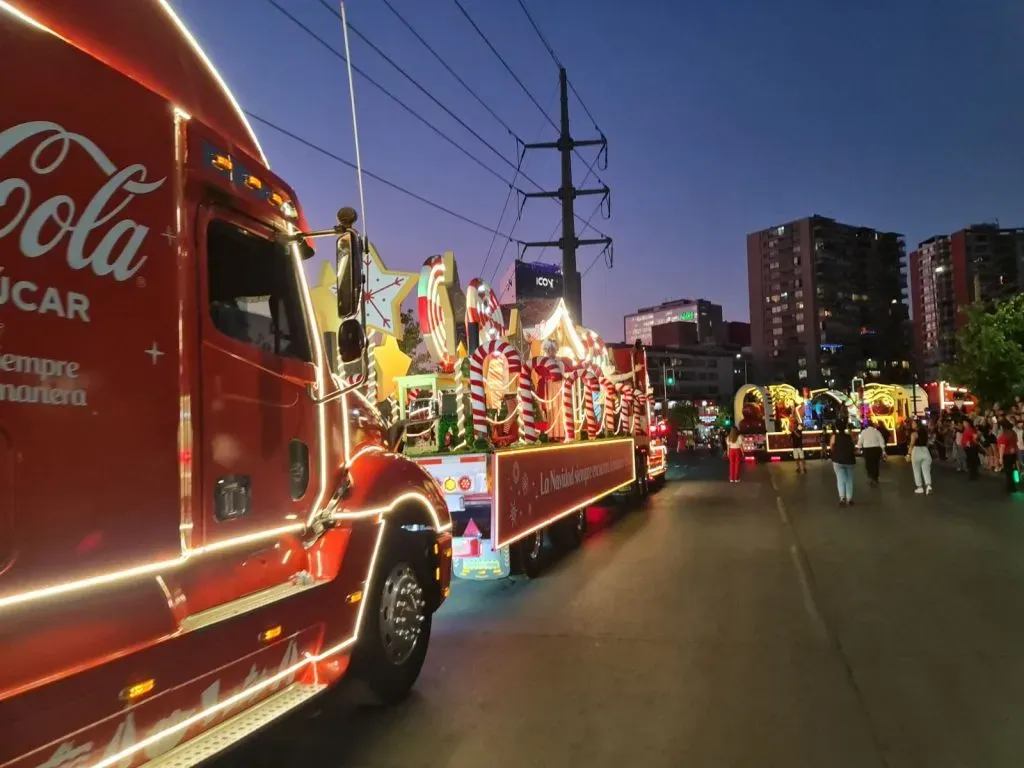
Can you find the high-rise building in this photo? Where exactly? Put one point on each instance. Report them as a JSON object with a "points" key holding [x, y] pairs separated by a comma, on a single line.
{"points": [[828, 304], [706, 316], [948, 273]]}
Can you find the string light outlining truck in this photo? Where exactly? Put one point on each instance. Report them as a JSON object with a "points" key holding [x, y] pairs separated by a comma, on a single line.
{"points": [[521, 437], [201, 526]]}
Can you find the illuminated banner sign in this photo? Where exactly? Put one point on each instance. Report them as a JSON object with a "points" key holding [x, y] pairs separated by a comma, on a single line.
{"points": [[535, 486], [688, 315], [538, 281]]}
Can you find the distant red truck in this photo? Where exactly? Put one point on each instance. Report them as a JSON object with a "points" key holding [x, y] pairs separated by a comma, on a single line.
{"points": [[201, 526]]}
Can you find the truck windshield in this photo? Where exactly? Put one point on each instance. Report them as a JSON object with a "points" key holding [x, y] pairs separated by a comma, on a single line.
{"points": [[254, 292]]}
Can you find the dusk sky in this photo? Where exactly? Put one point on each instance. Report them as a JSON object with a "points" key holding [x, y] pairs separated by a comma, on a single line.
{"points": [[722, 118]]}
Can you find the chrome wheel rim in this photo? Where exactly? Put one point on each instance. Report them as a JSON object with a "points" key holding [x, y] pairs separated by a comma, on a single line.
{"points": [[534, 549], [402, 613]]}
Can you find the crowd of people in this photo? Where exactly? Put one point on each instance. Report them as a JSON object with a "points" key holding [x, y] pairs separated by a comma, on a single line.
{"points": [[988, 441]]}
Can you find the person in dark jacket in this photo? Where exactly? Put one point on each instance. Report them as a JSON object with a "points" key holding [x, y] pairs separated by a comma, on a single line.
{"points": [[843, 462]]}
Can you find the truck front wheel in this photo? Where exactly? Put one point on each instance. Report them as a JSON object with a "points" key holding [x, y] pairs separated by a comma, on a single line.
{"points": [[396, 625]]}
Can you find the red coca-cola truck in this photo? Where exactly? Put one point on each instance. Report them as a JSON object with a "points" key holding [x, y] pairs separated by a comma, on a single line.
{"points": [[201, 526]]}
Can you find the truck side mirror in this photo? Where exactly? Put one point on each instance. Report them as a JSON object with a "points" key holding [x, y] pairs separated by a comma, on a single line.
{"points": [[350, 273], [351, 341]]}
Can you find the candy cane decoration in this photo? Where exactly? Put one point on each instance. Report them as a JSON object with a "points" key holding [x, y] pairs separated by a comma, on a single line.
{"points": [[460, 406], [477, 393], [527, 422], [484, 311], [568, 405], [626, 410], [591, 386], [641, 405], [611, 407]]}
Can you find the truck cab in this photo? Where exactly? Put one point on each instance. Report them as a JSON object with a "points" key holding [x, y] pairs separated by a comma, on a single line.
{"points": [[202, 524]]}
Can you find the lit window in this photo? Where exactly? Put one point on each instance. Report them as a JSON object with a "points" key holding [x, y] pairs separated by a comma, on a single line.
{"points": [[799, 327]]}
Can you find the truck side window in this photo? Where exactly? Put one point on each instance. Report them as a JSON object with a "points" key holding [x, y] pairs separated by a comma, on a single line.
{"points": [[254, 293]]}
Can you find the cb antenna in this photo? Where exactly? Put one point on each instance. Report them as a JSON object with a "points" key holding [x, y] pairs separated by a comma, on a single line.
{"points": [[355, 121]]}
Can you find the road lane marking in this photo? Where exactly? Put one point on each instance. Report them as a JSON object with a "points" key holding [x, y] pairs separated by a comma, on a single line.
{"points": [[782, 510], [805, 588]]}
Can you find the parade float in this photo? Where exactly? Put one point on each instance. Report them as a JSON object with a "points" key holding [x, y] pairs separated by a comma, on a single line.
{"points": [[766, 415], [523, 428]]}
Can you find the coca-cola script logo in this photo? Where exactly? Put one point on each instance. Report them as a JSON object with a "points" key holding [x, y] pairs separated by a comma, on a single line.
{"points": [[117, 252]]}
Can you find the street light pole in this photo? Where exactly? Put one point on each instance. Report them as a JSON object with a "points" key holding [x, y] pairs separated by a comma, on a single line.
{"points": [[664, 389], [739, 356]]}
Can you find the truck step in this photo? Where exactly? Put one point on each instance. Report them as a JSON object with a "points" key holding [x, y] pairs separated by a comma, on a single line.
{"points": [[219, 613], [230, 732]]}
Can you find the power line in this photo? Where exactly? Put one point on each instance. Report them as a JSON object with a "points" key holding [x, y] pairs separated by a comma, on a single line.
{"points": [[558, 62], [413, 112], [554, 229], [583, 104], [551, 51], [501, 218], [600, 253], [515, 77], [504, 63], [522, 160], [394, 98], [416, 83], [375, 177], [451, 71]]}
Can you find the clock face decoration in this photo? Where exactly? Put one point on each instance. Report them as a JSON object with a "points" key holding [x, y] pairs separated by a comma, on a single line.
{"points": [[384, 294]]}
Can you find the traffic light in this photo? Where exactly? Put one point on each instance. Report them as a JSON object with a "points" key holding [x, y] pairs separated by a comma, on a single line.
{"points": [[728, 421], [671, 380]]}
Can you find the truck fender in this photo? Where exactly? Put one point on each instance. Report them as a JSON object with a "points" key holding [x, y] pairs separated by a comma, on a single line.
{"points": [[389, 484], [391, 487]]}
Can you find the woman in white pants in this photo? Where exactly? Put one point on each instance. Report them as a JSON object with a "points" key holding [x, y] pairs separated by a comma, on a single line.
{"points": [[920, 459]]}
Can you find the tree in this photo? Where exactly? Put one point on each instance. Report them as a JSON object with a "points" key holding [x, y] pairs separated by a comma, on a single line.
{"points": [[411, 341], [989, 357], [683, 417]]}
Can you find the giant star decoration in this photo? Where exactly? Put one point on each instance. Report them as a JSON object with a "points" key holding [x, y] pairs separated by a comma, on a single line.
{"points": [[385, 292], [391, 363]]}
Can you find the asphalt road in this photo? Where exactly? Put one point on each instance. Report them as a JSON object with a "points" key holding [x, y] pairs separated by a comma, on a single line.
{"points": [[722, 625]]}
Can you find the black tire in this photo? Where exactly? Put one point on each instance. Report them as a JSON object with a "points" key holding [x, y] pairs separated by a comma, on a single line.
{"points": [[387, 663], [528, 555], [568, 533], [641, 488]]}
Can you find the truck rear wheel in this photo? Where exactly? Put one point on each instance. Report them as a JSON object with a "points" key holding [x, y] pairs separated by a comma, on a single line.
{"points": [[396, 625], [528, 555], [640, 487], [568, 533]]}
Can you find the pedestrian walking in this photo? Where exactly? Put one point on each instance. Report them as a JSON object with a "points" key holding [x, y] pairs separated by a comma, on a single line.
{"points": [[843, 462], [797, 436], [920, 459], [872, 445], [1007, 445], [826, 441], [959, 454], [734, 443], [969, 441]]}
